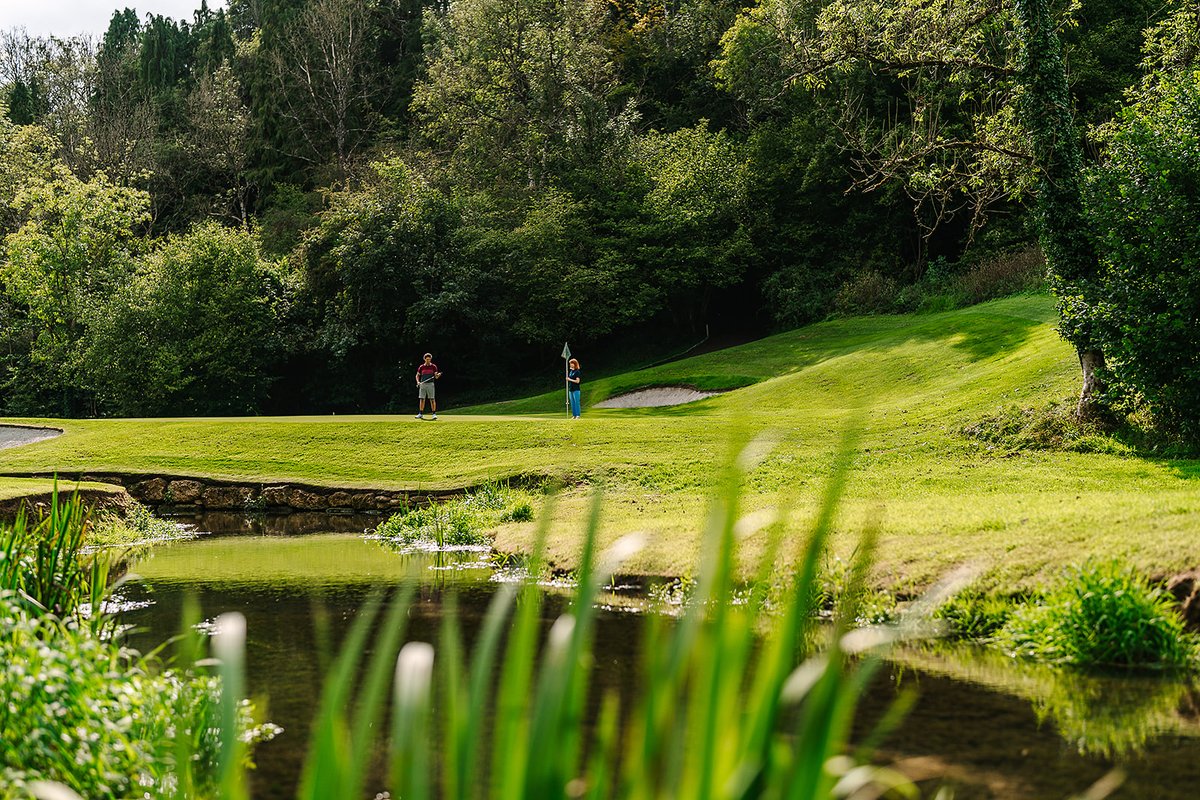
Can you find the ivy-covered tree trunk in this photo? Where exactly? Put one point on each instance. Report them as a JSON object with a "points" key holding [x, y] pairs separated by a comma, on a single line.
{"points": [[1070, 253]]}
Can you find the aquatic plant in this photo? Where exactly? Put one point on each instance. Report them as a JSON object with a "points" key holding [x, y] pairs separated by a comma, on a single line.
{"points": [[458, 522], [837, 586], [974, 615], [42, 563], [1102, 613], [521, 512], [136, 525]]}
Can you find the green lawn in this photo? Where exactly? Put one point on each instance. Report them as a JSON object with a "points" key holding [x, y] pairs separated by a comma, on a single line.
{"points": [[12, 488], [936, 497]]}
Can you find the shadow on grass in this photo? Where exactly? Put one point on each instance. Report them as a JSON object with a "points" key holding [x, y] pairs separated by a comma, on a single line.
{"points": [[981, 335]]}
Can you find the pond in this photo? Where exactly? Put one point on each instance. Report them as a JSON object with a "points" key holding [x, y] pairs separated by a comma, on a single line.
{"points": [[988, 727]]}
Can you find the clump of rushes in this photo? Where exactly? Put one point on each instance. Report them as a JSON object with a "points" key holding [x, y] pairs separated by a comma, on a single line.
{"points": [[720, 712], [460, 522], [1101, 614], [137, 525], [43, 565], [975, 616]]}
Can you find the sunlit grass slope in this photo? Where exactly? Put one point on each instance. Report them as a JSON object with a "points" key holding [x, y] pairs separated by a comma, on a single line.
{"points": [[12, 488], [937, 497]]}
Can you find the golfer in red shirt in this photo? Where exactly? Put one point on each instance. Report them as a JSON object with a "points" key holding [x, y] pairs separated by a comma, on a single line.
{"points": [[427, 373]]}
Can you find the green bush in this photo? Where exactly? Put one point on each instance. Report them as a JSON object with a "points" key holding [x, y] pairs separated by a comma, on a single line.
{"points": [[1051, 427], [458, 522], [136, 525], [83, 711], [194, 331], [868, 292], [1143, 201], [1101, 614], [521, 512], [450, 524]]}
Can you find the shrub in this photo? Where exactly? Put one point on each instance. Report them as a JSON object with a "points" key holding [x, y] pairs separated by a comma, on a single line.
{"points": [[1002, 275], [194, 331], [1052, 427], [975, 616], [82, 711], [868, 292], [459, 522], [137, 525], [1143, 202], [1102, 613], [451, 524], [488, 497], [521, 512]]}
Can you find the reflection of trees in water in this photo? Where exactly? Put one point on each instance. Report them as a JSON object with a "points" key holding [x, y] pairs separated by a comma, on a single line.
{"points": [[1104, 715]]}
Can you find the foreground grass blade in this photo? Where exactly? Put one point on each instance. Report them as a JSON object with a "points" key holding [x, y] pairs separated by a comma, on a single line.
{"points": [[229, 646], [411, 732]]}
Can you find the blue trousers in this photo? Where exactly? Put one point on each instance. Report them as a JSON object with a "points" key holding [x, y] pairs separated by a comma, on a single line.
{"points": [[574, 398]]}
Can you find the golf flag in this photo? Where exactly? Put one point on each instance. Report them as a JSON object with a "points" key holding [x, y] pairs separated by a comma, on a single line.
{"points": [[566, 356]]}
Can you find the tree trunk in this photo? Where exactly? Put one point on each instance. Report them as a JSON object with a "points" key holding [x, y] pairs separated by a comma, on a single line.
{"points": [[1070, 255], [1091, 362]]}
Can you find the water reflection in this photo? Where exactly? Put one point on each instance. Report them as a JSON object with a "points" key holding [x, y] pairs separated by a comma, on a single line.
{"points": [[299, 595], [987, 726], [1106, 715]]}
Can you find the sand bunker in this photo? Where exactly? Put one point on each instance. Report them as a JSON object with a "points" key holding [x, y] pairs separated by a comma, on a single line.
{"points": [[17, 435], [656, 397]]}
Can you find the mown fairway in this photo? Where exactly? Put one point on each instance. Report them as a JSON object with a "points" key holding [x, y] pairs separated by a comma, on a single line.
{"points": [[937, 497]]}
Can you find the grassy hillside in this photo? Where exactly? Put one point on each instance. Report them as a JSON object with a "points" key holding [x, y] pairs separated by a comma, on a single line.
{"points": [[937, 497]]}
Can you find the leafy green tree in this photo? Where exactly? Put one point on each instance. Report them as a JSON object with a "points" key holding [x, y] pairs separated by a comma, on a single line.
{"points": [[326, 81], [983, 115], [555, 276], [193, 331], [215, 146], [517, 92], [662, 52], [28, 156], [25, 102], [809, 234], [696, 241], [1143, 201], [75, 245], [381, 271]]}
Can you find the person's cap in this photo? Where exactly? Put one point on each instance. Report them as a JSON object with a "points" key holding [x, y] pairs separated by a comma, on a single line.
{"points": [[427, 355]]}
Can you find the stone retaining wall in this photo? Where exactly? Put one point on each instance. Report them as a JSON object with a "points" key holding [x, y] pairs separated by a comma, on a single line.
{"points": [[187, 493]]}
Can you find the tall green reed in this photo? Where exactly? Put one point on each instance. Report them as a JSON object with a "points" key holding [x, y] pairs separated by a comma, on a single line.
{"points": [[43, 563]]}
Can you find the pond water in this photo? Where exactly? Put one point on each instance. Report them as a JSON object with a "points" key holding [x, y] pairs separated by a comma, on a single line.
{"points": [[987, 727]]}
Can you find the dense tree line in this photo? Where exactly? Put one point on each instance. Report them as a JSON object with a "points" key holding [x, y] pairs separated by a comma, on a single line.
{"points": [[276, 206]]}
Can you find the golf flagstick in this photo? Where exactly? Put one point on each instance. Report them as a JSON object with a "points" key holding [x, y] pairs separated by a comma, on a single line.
{"points": [[566, 356]]}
